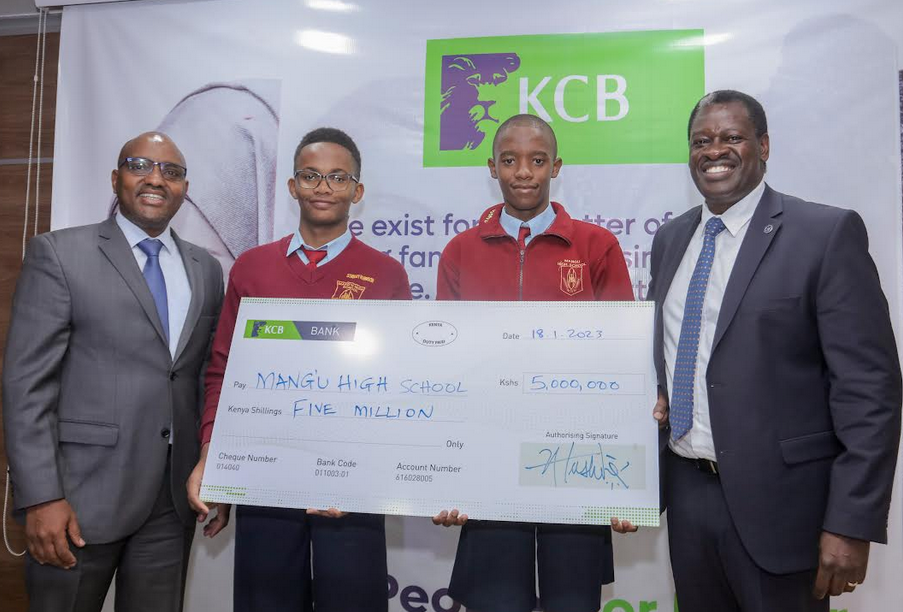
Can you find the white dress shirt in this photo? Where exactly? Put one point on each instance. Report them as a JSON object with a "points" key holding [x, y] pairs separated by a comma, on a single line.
{"points": [[178, 290], [333, 248], [698, 442]]}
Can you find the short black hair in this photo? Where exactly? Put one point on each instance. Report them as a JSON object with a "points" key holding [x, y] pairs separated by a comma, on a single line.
{"points": [[333, 135], [529, 120], [726, 96]]}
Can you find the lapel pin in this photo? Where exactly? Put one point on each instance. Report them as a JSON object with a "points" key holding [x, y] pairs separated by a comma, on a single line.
{"points": [[769, 228]]}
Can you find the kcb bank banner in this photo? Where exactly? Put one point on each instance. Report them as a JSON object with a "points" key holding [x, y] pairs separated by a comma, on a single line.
{"points": [[422, 88], [612, 98]]}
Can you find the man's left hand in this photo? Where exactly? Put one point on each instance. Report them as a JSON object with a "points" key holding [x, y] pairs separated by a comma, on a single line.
{"points": [[330, 512], [622, 526], [842, 563]]}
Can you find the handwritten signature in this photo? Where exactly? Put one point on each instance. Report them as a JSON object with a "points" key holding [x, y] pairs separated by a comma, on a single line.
{"points": [[598, 465]]}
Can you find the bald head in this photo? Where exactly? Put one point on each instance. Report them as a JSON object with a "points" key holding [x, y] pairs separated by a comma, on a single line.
{"points": [[155, 139], [531, 121]]}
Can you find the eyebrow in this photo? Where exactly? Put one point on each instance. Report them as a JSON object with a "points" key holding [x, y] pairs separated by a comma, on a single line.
{"points": [[534, 153], [334, 170]]}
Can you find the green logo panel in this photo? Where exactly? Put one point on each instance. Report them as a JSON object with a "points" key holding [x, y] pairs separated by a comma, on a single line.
{"points": [[612, 98], [271, 330]]}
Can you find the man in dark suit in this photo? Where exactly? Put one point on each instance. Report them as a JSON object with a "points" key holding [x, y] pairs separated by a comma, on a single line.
{"points": [[110, 328], [779, 382]]}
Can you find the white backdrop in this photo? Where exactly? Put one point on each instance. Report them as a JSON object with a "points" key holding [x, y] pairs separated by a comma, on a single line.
{"points": [[826, 72]]}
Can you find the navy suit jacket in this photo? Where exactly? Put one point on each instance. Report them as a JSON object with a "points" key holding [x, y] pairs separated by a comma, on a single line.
{"points": [[803, 383]]}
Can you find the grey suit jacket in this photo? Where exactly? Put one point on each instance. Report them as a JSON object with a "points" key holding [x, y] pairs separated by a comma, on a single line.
{"points": [[90, 389], [803, 382]]}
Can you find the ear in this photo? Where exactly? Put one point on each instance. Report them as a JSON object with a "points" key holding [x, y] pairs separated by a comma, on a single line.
{"points": [[764, 146], [185, 190], [114, 178], [556, 167], [492, 171], [358, 193], [293, 188]]}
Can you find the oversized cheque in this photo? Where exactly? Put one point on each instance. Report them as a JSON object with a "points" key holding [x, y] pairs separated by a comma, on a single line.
{"points": [[519, 411]]}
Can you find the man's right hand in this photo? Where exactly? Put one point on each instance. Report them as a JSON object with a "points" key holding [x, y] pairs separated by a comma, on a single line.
{"points": [[660, 411], [46, 527], [450, 519], [218, 522]]}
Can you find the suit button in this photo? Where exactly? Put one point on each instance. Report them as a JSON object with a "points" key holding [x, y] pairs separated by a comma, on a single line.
{"points": [[172, 376], [164, 432]]}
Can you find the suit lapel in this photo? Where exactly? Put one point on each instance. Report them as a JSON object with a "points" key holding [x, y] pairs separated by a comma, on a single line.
{"points": [[195, 281], [674, 252], [116, 248], [763, 227]]}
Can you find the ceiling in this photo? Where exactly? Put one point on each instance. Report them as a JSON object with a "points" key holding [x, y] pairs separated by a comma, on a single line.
{"points": [[21, 17], [16, 7]]}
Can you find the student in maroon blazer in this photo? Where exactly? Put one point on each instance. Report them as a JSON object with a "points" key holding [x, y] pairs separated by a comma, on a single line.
{"points": [[570, 260], [528, 248], [321, 259]]}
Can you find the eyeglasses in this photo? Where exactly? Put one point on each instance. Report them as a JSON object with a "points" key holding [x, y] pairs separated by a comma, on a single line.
{"points": [[311, 179], [141, 166]]}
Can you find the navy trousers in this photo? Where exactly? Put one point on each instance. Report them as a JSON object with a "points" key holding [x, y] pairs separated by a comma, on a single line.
{"points": [[496, 566], [288, 561], [712, 570]]}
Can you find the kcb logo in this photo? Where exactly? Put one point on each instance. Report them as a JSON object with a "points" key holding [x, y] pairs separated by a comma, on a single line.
{"points": [[612, 98]]}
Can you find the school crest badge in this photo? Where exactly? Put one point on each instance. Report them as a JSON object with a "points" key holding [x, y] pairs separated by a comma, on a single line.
{"points": [[571, 276], [346, 290]]}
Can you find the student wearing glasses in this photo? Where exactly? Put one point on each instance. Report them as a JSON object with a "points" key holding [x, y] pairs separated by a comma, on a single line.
{"points": [[110, 329], [321, 259]]}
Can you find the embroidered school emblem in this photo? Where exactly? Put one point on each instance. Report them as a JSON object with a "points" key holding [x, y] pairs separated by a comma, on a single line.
{"points": [[571, 274], [345, 290]]}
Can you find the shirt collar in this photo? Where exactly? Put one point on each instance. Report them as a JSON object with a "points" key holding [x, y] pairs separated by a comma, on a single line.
{"points": [[738, 215], [332, 248], [134, 234], [537, 224]]}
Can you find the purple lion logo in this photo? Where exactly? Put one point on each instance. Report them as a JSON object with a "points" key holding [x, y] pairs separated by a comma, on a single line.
{"points": [[466, 102]]}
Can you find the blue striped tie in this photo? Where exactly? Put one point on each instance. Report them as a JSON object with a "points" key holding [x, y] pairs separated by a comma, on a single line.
{"points": [[153, 274], [681, 414]]}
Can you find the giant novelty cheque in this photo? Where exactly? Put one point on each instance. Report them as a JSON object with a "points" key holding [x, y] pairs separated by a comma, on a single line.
{"points": [[516, 411]]}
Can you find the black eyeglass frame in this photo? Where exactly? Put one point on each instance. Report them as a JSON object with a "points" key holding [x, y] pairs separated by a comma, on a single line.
{"points": [[326, 176], [162, 165]]}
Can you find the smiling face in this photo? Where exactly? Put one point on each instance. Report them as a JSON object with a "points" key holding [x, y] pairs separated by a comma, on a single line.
{"points": [[727, 159], [525, 162], [323, 210], [149, 201]]}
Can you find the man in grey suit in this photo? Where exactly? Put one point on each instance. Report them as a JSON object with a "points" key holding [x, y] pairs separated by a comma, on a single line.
{"points": [[110, 329], [779, 382]]}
